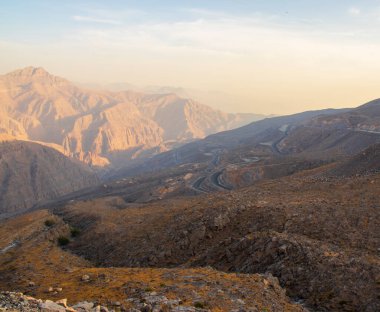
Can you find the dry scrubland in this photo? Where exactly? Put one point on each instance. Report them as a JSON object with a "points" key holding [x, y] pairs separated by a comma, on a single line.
{"points": [[38, 264], [317, 234]]}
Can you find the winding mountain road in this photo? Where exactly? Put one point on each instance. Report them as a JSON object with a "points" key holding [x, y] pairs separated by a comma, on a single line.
{"points": [[207, 183]]}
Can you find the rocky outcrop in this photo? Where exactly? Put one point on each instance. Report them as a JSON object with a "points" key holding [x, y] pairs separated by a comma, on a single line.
{"points": [[30, 173], [16, 301]]}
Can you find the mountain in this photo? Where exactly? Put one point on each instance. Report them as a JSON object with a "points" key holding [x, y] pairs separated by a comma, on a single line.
{"points": [[285, 209], [30, 173], [185, 119], [341, 134], [102, 127], [262, 135], [214, 99], [323, 135]]}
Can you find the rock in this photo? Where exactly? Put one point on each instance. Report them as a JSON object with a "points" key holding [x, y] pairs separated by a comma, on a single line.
{"points": [[83, 306], [62, 302], [221, 221], [51, 306], [240, 301], [85, 278], [50, 289], [31, 284], [146, 308]]}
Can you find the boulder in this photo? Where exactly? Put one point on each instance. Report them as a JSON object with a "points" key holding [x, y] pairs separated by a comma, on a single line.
{"points": [[51, 306]]}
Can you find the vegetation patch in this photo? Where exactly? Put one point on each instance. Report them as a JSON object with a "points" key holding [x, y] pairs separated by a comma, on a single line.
{"points": [[49, 222], [63, 241], [199, 305], [74, 232]]}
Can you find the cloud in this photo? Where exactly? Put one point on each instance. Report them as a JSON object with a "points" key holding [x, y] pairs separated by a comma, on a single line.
{"points": [[220, 34], [90, 19], [354, 11], [250, 55]]}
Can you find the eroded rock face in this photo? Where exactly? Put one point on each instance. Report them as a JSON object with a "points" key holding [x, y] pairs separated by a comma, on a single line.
{"points": [[30, 172]]}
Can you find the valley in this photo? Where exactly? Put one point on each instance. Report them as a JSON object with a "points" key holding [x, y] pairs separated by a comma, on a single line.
{"points": [[321, 244], [189, 156], [278, 215]]}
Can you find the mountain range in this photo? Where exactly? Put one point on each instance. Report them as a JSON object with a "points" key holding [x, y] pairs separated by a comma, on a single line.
{"points": [[328, 134], [280, 214], [102, 128]]}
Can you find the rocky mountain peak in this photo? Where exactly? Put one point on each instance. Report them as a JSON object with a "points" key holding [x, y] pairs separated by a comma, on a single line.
{"points": [[30, 74]]}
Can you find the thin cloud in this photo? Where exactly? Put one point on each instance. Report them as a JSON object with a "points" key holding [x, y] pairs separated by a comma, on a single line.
{"points": [[354, 11], [90, 19]]}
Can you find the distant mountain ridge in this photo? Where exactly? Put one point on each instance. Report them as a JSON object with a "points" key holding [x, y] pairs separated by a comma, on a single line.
{"points": [[327, 135], [215, 99], [102, 128]]}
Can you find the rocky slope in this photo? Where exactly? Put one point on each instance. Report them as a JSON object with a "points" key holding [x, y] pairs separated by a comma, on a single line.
{"points": [[340, 134], [366, 162], [30, 173], [31, 261], [319, 242], [102, 127]]}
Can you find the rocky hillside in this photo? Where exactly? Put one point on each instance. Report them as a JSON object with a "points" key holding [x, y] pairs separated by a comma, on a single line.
{"points": [[319, 242], [365, 163], [340, 134], [34, 260], [30, 173], [102, 127]]}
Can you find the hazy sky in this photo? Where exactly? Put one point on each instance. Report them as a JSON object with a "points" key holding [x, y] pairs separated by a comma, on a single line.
{"points": [[270, 56]]}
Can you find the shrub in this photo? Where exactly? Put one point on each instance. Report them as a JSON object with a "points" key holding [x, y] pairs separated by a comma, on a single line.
{"points": [[74, 232], [49, 222], [63, 240], [199, 305]]}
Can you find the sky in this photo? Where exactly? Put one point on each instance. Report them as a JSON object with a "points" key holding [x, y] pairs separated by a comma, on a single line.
{"points": [[262, 56]]}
